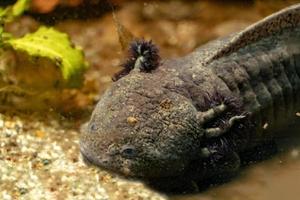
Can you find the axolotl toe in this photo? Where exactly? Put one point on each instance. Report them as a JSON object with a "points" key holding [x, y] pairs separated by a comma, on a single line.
{"points": [[194, 116]]}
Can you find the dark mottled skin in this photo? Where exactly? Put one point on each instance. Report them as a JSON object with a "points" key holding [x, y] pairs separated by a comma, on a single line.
{"points": [[147, 125]]}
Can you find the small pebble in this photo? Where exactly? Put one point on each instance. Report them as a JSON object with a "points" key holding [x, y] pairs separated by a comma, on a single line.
{"points": [[46, 161], [23, 191], [1, 123]]}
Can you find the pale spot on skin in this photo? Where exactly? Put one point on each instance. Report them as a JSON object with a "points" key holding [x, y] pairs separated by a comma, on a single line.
{"points": [[166, 104], [132, 120]]}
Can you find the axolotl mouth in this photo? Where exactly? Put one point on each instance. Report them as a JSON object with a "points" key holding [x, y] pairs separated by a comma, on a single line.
{"points": [[101, 160], [127, 163]]}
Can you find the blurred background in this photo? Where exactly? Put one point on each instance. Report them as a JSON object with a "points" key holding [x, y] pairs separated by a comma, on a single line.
{"points": [[177, 27]]}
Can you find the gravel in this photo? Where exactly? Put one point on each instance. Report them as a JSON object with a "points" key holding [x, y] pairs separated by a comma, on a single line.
{"points": [[40, 159]]}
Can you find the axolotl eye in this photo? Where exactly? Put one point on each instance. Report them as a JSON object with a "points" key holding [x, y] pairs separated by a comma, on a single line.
{"points": [[93, 128], [128, 151]]}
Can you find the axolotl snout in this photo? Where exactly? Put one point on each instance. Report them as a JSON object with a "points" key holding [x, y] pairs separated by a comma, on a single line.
{"points": [[192, 117]]}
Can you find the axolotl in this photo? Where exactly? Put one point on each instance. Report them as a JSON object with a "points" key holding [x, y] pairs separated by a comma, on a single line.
{"points": [[193, 117]]}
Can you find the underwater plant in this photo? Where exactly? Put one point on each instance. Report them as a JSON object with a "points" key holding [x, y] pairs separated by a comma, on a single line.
{"points": [[46, 59]]}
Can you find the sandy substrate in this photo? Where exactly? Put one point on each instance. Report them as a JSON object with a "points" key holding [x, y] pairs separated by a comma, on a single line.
{"points": [[38, 161]]}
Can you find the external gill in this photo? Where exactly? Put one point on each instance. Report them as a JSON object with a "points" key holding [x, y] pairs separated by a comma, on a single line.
{"points": [[212, 113], [138, 62], [223, 130]]}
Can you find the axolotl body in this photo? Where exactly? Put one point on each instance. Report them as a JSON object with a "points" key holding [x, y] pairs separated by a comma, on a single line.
{"points": [[193, 117]]}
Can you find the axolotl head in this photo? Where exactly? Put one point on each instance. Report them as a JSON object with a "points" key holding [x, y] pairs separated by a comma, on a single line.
{"points": [[140, 129], [144, 126]]}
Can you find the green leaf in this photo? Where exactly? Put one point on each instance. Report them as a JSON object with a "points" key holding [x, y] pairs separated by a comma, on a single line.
{"points": [[3, 13], [20, 7], [1, 31], [11, 12], [52, 44]]}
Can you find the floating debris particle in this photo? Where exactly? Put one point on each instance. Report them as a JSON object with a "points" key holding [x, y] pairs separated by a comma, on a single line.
{"points": [[295, 153], [265, 126]]}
